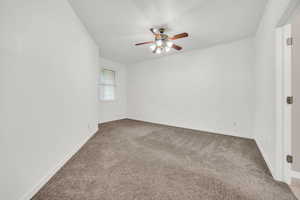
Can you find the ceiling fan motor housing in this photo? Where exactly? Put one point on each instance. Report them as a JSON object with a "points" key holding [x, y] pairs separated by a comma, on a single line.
{"points": [[162, 37], [161, 30]]}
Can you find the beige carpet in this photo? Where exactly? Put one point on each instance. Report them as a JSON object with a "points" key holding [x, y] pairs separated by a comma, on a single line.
{"points": [[131, 160]]}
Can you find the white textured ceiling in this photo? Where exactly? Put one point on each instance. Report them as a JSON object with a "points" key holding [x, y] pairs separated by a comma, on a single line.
{"points": [[117, 25]]}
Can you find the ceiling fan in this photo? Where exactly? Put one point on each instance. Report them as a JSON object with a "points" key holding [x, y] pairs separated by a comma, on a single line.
{"points": [[162, 42]]}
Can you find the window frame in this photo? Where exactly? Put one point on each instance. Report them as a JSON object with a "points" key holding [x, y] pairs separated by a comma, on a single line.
{"points": [[101, 84]]}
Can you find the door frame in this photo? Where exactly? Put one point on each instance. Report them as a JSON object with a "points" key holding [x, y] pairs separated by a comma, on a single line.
{"points": [[283, 110], [283, 76]]}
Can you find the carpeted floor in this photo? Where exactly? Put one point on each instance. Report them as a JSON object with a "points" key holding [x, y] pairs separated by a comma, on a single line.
{"points": [[131, 160]]}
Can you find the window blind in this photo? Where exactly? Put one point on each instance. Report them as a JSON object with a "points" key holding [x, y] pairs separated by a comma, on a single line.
{"points": [[107, 84]]}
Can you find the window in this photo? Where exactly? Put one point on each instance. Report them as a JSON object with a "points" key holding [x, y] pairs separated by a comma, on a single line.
{"points": [[107, 85]]}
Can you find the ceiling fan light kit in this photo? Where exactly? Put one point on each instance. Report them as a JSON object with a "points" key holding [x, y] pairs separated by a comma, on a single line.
{"points": [[162, 42], [161, 46]]}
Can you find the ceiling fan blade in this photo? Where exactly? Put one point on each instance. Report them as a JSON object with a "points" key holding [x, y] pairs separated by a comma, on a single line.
{"points": [[178, 36], [178, 48], [150, 42]]}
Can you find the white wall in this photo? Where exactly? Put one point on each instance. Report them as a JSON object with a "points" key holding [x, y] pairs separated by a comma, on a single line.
{"points": [[265, 114], [48, 73], [210, 90], [114, 110]]}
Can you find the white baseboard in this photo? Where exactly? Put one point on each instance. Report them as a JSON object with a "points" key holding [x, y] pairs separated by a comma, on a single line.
{"points": [[295, 174], [111, 120], [54, 170], [208, 130], [267, 160]]}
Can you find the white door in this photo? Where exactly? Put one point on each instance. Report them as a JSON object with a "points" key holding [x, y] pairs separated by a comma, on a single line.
{"points": [[296, 95]]}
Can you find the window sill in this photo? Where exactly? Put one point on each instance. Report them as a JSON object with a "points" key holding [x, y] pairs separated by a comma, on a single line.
{"points": [[108, 100]]}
